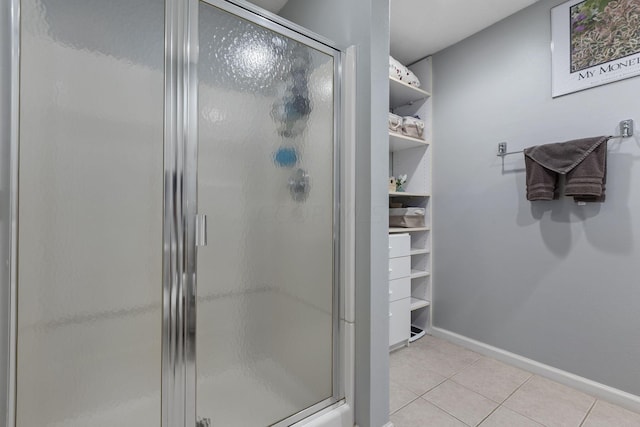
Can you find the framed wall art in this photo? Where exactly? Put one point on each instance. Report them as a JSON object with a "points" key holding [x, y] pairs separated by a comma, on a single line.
{"points": [[594, 42]]}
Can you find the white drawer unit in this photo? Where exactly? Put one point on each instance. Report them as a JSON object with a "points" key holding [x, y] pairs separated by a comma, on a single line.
{"points": [[399, 267], [399, 321], [399, 245], [399, 288]]}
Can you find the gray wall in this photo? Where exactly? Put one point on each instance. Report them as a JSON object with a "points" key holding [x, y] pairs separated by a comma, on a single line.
{"points": [[365, 23], [5, 90], [551, 281]]}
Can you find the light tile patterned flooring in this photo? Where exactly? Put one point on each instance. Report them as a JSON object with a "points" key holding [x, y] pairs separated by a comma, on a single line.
{"points": [[436, 383]]}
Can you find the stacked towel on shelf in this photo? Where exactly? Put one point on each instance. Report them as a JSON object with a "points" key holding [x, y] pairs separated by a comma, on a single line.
{"points": [[406, 217], [583, 161], [402, 73], [395, 123], [413, 127]]}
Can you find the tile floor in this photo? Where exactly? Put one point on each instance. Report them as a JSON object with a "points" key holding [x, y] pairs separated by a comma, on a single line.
{"points": [[436, 383]]}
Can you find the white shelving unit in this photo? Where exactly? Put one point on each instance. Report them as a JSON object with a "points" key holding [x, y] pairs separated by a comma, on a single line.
{"points": [[407, 230], [405, 194], [417, 303], [412, 156], [415, 274], [419, 251], [399, 142], [401, 93]]}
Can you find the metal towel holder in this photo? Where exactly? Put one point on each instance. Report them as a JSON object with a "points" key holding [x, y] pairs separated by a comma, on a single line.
{"points": [[626, 131]]}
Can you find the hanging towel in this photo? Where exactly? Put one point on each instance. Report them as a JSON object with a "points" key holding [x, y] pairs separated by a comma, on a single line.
{"points": [[587, 181], [541, 182], [583, 161]]}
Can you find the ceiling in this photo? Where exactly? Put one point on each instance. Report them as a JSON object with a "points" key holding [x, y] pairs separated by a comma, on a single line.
{"points": [[422, 27]]}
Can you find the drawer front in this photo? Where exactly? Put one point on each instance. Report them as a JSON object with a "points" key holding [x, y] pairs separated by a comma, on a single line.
{"points": [[399, 321], [399, 288], [399, 245], [399, 267]]}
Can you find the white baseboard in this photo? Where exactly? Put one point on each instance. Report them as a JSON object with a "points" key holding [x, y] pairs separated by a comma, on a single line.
{"points": [[610, 394]]}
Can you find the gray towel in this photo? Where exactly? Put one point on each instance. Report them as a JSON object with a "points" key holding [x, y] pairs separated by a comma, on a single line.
{"points": [[583, 161]]}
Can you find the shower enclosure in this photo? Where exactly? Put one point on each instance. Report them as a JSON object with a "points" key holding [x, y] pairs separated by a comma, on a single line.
{"points": [[175, 216]]}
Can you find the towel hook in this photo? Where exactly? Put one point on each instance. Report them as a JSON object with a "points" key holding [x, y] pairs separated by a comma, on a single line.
{"points": [[502, 150], [626, 128]]}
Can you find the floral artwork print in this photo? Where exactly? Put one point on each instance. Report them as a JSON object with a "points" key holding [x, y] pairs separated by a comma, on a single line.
{"points": [[603, 31]]}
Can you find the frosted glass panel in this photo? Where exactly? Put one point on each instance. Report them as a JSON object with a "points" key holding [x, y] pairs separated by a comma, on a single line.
{"points": [[265, 181], [90, 214]]}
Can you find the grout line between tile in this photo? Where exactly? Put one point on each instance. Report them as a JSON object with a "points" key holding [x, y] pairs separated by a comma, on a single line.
{"points": [[475, 362], [475, 392], [469, 390], [445, 411], [405, 405], [465, 367], [513, 410], [437, 385], [588, 412], [518, 388], [524, 416], [489, 414]]}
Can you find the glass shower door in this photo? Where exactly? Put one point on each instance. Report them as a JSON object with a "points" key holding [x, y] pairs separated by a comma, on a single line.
{"points": [[266, 302], [90, 215]]}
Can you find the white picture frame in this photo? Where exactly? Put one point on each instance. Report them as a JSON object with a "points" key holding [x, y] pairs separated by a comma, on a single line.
{"points": [[584, 52]]}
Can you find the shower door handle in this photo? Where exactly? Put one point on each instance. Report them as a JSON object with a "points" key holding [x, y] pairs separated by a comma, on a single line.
{"points": [[201, 230]]}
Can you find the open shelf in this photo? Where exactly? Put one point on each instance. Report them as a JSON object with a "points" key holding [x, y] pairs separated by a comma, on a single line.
{"points": [[401, 93], [403, 194], [419, 273], [417, 303], [398, 142], [419, 251], [407, 230]]}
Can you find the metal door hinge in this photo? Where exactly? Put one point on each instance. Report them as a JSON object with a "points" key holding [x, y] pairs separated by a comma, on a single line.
{"points": [[201, 230], [203, 422]]}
